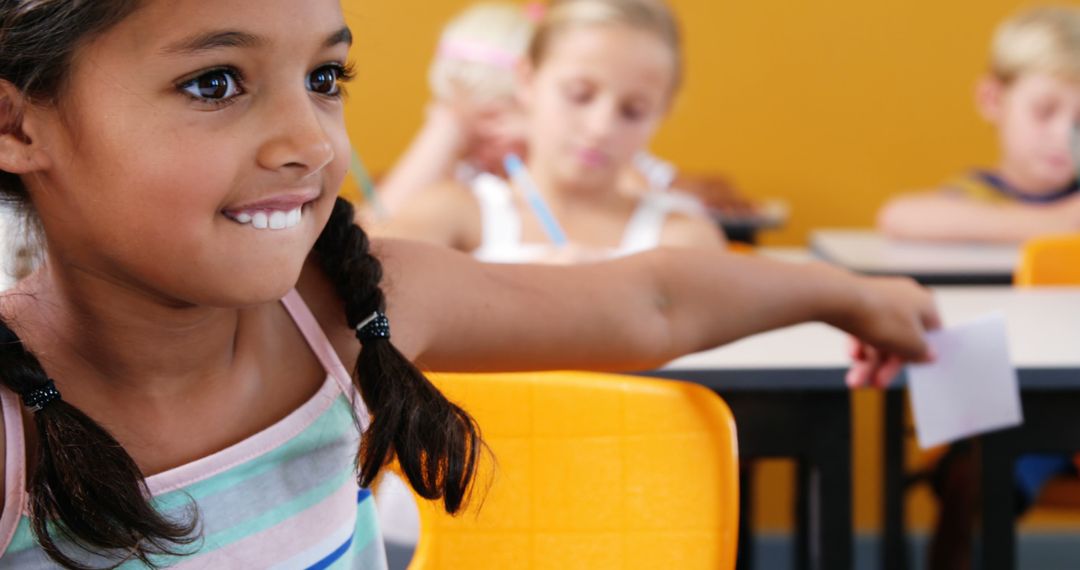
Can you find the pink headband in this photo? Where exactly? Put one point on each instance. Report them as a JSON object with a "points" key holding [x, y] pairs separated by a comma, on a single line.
{"points": [[534, 11], [478, 53]]}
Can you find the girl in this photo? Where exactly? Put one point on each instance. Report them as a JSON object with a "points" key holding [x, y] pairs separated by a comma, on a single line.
{"points": [[600, 77], [475, 118], [179, 356]]}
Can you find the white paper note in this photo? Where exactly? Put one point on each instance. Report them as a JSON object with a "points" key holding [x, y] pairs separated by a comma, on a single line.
{"points": [[971, 388]]}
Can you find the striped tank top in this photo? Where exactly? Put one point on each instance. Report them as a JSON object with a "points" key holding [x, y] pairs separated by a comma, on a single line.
{"points": [[285, 497]]}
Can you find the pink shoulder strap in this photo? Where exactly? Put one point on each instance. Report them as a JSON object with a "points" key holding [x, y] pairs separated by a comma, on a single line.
{"points": [[14, 467], [322, 348]]}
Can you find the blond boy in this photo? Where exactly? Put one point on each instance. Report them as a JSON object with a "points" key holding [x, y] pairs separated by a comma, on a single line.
{"points": [[1031, 95]]}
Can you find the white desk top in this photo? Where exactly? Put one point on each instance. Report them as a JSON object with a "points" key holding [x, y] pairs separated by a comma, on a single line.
{"points": [[1043, 328], [870, 252]]}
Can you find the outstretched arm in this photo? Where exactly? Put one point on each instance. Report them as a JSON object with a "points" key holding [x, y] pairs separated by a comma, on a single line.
{"points": [[453, 313], [937, 216]]}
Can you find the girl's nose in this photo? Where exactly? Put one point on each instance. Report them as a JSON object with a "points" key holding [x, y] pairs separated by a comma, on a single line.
{"points": [[601, 120], [297, 141]]}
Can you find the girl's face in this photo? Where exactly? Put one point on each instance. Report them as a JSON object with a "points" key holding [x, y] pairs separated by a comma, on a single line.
{"points": [[186, 134], [1035, 116], [596, 99]]}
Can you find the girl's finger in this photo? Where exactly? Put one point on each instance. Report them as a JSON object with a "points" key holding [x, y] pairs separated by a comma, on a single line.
{"points": [[887, 370]]}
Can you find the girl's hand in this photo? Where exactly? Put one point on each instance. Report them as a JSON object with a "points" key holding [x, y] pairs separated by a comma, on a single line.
{"points": [[449, 123], [888, 319]]}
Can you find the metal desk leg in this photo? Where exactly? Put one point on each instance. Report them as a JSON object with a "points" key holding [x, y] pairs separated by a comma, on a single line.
{"points": [[833, 502], [745, 558], [807, 527], [998, 546], [894, 542]]}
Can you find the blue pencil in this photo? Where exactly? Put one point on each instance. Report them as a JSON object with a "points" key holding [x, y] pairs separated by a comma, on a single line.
{"points": [[520, 175], [367, 187]]}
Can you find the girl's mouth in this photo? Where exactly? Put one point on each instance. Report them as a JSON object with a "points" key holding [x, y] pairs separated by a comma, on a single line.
{"points": [[277, 213], [268, 219]]}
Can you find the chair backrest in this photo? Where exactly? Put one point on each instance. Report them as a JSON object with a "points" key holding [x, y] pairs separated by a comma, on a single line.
{"points": [[590, 471], [1051, 260]]}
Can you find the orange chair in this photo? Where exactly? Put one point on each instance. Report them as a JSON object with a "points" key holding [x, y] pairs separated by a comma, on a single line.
{"points": [[591, 471], [1052, 260], [1049, 261]]}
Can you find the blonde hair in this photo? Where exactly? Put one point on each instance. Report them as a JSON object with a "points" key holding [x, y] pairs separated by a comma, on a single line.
{"points": [[1044, 39], [478, 50], [653, 16]]}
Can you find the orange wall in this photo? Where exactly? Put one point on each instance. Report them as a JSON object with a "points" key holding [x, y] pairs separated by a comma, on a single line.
{"points": [[831, 106]]}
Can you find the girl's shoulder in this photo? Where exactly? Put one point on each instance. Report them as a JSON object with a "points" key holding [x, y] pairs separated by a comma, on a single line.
{"points": [[406, 285]]}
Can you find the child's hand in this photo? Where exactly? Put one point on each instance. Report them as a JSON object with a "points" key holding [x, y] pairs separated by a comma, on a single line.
{"points": [[888, 319], [450, 123]]}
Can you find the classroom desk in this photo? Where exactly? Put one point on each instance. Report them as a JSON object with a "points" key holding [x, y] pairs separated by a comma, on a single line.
{"points": [[744, 228], [1044, 343], [930, 263], [786, 391]]}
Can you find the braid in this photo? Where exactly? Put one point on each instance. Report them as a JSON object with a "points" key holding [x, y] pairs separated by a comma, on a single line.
{"points": [[84, 486], [436, 443]]}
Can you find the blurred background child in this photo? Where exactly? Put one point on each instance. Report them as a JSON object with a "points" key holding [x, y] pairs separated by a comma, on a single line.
{"points": [[474, 118], [1031, 95], [600, 77]]}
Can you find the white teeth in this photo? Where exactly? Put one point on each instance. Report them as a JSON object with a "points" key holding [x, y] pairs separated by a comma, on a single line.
{"points": [[293, 219], [275, 220]]}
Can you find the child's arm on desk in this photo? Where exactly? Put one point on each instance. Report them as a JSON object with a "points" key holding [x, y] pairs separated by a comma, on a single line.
{"points": [[941, 216], [634, 313]]}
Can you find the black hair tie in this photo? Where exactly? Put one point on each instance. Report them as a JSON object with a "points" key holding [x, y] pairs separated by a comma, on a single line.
{"points": [[375, 326], [41, 396]]}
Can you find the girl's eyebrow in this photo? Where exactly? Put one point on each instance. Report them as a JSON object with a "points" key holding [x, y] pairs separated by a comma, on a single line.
{"points": [[342, 36], [207, 41]]}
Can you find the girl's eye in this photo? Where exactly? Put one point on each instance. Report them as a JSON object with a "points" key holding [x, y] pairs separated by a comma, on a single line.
{"points": [[216, 85], [579, 94], [327, 80]]}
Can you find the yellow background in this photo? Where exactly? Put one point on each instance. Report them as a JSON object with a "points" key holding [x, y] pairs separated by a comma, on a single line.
{"points": [[830, 106]]}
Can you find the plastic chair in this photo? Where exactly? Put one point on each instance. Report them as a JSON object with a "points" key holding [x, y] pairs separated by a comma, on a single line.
{"points": [[591, 471], [1052, 260], [1049, 261]]}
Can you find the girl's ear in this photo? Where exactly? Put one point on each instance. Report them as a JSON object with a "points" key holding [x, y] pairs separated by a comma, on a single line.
{"points": [[18, 152]]}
